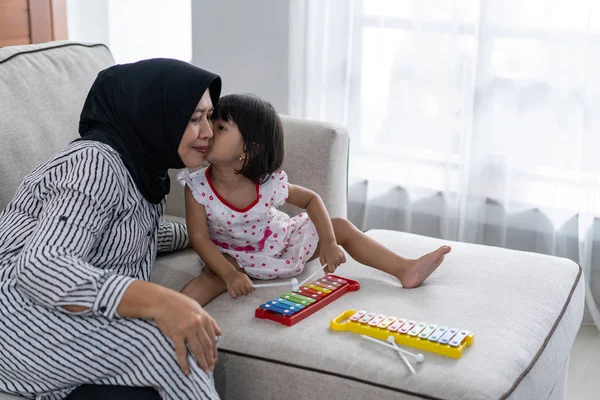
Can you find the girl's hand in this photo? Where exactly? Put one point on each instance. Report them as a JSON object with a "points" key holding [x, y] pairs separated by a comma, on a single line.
{"points": [[238, 284], [185, 322], [332, 255]]}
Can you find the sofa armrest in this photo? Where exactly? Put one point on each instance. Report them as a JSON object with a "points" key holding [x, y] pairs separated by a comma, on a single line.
{"points": [[316, 157]]}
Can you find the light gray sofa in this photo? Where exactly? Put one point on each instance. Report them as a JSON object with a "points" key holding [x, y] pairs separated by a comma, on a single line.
{"points": [[524, 309]]}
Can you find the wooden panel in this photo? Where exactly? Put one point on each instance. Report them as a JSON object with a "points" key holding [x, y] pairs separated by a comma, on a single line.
{"points": [[14, 41], [40, 20], [14, 22], [59, 20]]}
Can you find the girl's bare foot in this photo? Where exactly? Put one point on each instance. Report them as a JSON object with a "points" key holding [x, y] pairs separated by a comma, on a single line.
{"points": [[418, 270], [204, 287]]}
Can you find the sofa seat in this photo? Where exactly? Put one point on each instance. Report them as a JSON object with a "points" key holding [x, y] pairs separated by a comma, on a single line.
{"points": [[523, 308]]}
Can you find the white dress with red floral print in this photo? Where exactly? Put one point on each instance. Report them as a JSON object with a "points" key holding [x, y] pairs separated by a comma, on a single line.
{"points": [[266, 242]]}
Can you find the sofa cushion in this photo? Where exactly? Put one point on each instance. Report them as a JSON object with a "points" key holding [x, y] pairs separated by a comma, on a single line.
{"points": [[524, 309], [43, 89]]}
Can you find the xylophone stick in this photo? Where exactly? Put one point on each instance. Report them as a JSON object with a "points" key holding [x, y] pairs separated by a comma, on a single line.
{"points": [[292, 282], [408, 365], [419, 357], [402, 356], [401, 352], [313, 275]]}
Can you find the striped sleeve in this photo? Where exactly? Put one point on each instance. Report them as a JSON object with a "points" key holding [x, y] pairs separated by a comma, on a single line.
{"points": [[172, 236], [80, 197]]}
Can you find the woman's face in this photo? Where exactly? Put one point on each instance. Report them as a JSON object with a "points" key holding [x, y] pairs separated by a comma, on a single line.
{"points": [[194, 143]]}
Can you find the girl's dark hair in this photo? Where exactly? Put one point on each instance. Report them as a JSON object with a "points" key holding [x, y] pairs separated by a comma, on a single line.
{"points": [[261, 131]]}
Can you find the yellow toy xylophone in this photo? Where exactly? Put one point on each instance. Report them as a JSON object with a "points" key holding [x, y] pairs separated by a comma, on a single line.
{"points": [[449, 342]]}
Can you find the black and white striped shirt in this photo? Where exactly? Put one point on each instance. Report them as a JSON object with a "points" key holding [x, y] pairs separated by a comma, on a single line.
{"points": [[78, 232]]}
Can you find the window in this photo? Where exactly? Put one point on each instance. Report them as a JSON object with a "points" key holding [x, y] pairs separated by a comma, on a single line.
{"points": [[499, 93]]}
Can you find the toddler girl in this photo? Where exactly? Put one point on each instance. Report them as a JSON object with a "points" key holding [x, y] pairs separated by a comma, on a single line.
{"points": [[233, 219]]}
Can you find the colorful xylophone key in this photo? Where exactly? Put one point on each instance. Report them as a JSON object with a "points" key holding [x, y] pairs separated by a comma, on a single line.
{"points": [[292, 307], [442, 340]]}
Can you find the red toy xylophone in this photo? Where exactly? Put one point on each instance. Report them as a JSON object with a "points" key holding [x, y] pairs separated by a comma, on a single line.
{"points": [[292, 307]]}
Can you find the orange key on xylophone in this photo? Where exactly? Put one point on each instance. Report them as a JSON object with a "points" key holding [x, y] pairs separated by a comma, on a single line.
{"points": [[308, 289], [318, 288], [310, 293]]}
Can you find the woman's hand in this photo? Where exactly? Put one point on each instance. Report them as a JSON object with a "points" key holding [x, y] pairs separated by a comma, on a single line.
{"points": [[185, 322], [238, 284], [332, 255]]}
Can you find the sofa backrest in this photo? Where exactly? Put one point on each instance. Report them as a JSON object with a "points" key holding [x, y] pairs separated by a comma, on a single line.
{"points": [[42, 90], [316, 157]]}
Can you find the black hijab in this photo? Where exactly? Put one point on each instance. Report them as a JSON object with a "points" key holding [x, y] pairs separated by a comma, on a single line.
{"points": [[142, 110]]}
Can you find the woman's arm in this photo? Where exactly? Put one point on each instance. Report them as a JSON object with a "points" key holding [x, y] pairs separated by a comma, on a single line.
{"points": [[171, 236], [141, 299], [53, 272], [52, 269]]}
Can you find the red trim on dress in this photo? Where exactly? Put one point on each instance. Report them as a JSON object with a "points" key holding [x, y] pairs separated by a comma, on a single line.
{"points": [[225, 202]]}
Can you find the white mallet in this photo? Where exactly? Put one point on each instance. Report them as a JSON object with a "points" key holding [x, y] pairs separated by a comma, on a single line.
{"points": [[419, 357], [292, 282], [401, 352], [313, 275]]}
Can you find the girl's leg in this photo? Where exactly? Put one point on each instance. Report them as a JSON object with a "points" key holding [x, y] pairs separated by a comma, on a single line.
{"points": [[207, 285], [367, 251]]}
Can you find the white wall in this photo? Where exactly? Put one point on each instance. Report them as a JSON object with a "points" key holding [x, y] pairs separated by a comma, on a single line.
{"points": [[134, 29], [87, 21], [246, 42], [141, 29]]}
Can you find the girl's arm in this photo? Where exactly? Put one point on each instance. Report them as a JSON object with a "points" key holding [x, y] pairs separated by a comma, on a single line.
{"points": [[196, 221], [237, 282], [315, 208], [330, 253]]}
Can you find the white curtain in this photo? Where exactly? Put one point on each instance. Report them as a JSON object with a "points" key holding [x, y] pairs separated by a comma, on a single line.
{"points": [[470, 120]]}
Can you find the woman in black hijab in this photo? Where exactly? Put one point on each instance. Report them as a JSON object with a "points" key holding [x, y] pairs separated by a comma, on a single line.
{"points": [[79, 239]]}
